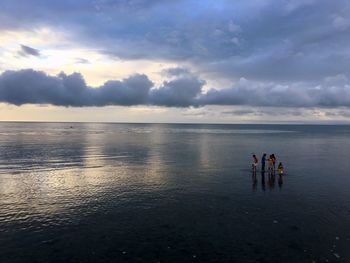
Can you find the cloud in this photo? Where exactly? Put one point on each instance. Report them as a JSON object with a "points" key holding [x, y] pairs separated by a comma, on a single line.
{"points": [[239, 112], [36, 87], [82, 61], [322, 94], [341, 23], [232, 27], [175, 72], [180, 92], [266, 112], [340, 113], [291, 40], [28, 51]]}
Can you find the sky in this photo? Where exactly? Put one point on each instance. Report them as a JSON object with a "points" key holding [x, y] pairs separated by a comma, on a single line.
{"points": [[184, 61]]}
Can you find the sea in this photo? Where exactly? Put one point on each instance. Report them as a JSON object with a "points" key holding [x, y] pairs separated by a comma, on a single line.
{"points": [[104, 192]]}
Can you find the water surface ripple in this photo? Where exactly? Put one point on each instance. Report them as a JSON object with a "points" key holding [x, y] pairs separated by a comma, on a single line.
{"points": [[172, 193]]}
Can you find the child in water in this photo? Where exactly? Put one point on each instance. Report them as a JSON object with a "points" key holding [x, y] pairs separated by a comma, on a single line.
{"points": [[270, 161], [273, 161], [280, 169], [255, 163]]}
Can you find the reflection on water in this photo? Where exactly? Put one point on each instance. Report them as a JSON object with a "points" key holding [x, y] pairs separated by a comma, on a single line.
{"points": [[271, 176], [280, 180], [178, 193]]}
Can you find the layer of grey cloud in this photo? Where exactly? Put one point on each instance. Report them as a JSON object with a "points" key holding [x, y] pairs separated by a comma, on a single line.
{"points": [[342, 113], [28, 51], [36, 87], [290, 40], [266, 111], [182, 92], [330, 92], [240, 112]]}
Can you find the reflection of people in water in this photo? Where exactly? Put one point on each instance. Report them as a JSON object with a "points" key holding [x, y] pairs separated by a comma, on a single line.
{"points": [[280, 180], [271, 181], [263, 160], [263, 181], [255, 180]]}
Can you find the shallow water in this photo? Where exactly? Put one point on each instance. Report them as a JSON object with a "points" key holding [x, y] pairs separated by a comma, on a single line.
{"points": [[172, 193]]}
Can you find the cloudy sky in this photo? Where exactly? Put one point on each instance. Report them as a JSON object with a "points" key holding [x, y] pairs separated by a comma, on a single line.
{"points": [[216, 61]]}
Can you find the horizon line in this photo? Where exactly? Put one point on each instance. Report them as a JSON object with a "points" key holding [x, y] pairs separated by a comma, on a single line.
{"points": [[335, 123]]}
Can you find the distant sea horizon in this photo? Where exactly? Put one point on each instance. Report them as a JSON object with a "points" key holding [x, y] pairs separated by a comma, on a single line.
{"points": [[199, 123]]}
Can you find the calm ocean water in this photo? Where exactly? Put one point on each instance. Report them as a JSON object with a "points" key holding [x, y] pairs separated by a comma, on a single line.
{"points": [[172, 193]]}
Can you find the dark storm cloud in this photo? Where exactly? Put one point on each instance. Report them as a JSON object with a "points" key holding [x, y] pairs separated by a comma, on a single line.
{"points": [[180, 92], [36, 87], [28, 51]]}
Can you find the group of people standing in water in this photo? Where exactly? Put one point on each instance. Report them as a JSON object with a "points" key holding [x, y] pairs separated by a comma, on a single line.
{"points": [[271, 164]]}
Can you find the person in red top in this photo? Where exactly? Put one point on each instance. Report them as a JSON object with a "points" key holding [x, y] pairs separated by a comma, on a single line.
{"points": [[270, 160], [273, 161], [255, 163]]}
